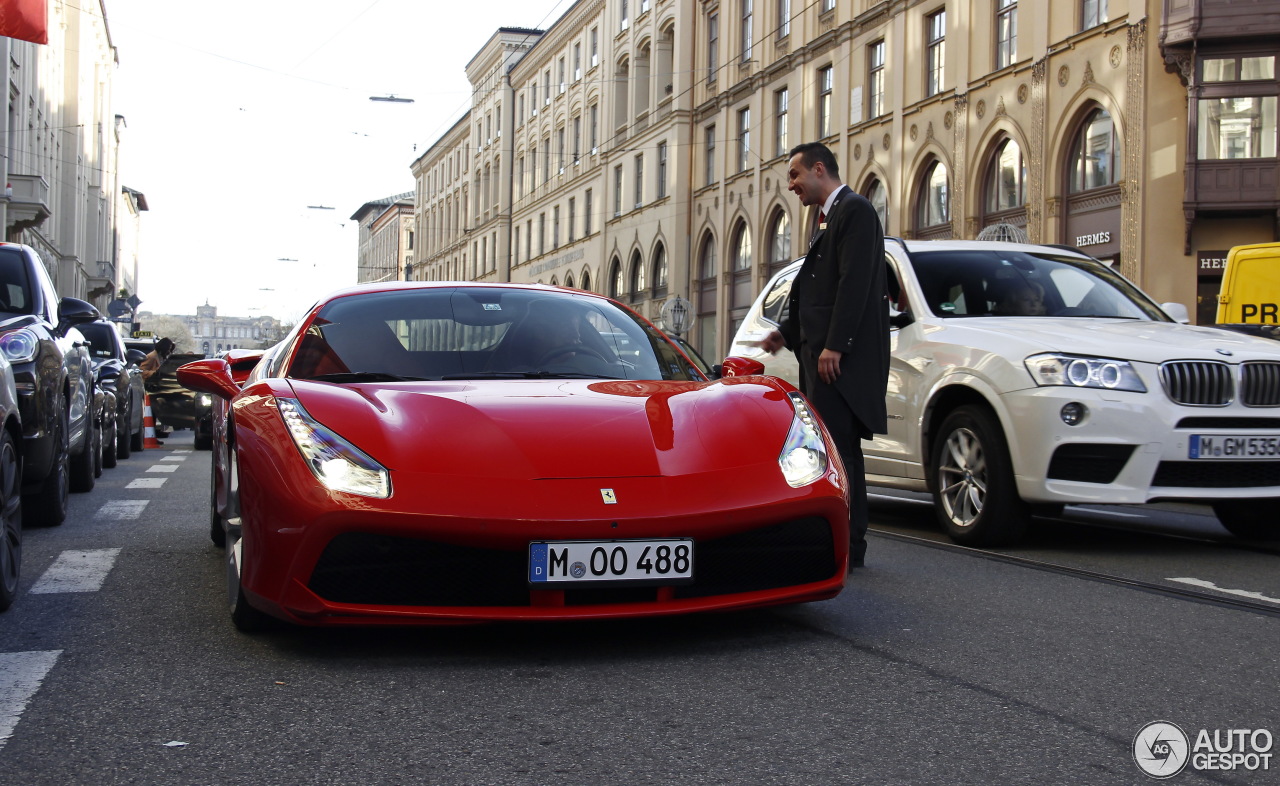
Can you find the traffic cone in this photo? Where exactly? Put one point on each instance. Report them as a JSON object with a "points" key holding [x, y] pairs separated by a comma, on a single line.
{"points": [[148, 425]]}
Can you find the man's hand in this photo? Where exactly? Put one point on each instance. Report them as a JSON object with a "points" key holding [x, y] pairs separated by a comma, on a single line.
{"points": [[829, 366], [771, 343]]}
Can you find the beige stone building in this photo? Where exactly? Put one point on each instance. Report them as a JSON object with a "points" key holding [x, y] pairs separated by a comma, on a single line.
{"points": [[387, 234], [645, 141]]}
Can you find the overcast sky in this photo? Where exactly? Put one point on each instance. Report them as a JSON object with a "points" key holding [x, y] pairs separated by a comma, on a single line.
{"points": [[242, 114]]}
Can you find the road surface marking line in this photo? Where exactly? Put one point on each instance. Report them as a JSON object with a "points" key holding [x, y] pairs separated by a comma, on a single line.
{"points": [[77, 571], [20, 676], [146, 483], [163, 468], [174, 458], [122, 509], [1212, 586]]}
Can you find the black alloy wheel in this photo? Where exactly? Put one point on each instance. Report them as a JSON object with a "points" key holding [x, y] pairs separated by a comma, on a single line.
{"points": [[10, 519], [124, 432], [82, 464], [48, 506]]}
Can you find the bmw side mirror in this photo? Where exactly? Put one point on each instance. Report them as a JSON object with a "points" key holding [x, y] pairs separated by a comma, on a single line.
{"points": [[73, 311], [1177, 312]]}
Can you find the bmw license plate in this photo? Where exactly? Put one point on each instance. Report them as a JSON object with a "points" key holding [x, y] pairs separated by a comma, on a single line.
{"points": [[566, 562], [1222, 447]]}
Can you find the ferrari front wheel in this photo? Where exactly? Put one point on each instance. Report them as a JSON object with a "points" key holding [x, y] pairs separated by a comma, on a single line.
{"points": [[971, 476]]}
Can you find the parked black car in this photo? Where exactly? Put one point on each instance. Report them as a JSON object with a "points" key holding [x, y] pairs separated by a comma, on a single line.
{"points": [[116, 367], [54, 379], [174, 406]]}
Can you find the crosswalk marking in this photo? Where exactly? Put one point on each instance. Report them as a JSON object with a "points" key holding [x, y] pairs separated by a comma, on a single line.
{"points": [[174, 458], [1211, 586], [146, 483], [20, 676], [163, 468], [77, 571], [119, 509]]}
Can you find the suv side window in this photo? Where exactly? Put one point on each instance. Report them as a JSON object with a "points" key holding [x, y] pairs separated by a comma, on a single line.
{"points": [[776, 302], [15, 289]]}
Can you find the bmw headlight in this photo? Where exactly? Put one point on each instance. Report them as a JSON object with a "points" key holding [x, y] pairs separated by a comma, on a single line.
{"points": [[19, 346], [335, 462], [1084, 372], [804, 454]]}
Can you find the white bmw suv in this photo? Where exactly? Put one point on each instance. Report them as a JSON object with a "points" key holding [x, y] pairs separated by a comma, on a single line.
{"points": [[1026, 377]]}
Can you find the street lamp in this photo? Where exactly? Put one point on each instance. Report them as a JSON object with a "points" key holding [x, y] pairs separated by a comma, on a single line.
{"points": [[391, 99]]}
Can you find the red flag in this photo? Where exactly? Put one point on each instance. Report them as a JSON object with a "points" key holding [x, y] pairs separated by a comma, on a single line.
{"points": [[26, 20]]}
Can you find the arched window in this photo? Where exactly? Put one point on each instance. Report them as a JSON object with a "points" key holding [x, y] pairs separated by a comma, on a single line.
{"points": [[1095, 154], [707, 259], [1006, 178], [933, 205], [660, 271], [742, 248], [568, 280], [705, 292], [638, 284], [878, 196], [586, 280], [779, 240], [554, 281], [616, 285]]}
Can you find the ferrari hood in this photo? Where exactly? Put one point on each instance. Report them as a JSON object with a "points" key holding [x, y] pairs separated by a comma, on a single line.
{"points": [[1137, 340], [514, 429]]}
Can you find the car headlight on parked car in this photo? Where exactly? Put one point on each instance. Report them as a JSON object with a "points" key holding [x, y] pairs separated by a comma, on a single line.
{"points": [[1084, 372], [335, 462], [19, 346], [804, 454]]}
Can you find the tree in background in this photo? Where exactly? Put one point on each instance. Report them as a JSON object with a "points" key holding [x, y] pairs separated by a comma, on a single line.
{"points": [[174, 328]]}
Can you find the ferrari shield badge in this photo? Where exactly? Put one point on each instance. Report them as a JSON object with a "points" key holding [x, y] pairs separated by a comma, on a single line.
{"points": [[608, 496]]}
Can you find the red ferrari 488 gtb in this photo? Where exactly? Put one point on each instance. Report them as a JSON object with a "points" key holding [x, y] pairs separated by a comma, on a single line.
{"points": [[454, 453]]}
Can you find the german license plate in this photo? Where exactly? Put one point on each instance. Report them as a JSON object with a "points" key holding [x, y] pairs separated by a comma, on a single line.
{"points": [[565, 562], [1222, 447]]}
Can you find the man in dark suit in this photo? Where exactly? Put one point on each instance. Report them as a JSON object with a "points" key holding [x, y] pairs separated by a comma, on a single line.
{"points": [[837, 323]]}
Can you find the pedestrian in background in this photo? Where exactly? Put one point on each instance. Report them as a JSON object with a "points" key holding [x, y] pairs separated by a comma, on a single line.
{"points": [[156, 358], [838, 320]]}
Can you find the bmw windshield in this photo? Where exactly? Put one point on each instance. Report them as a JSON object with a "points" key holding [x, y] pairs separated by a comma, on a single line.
{"points": [[983, 283]]}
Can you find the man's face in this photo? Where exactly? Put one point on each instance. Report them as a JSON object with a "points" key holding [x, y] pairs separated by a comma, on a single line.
{"points": [[805, 182]]}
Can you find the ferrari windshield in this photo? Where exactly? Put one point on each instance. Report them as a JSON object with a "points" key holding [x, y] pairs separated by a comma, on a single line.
{"points": [[1010, 283], [481, 333]]}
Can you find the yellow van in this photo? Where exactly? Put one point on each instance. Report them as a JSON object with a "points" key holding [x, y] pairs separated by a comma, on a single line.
{"points": [[1249, 300]]}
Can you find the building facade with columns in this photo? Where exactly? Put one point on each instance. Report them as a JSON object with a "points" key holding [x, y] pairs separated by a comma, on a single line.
{"points": [[386, 238], [646, 143]]}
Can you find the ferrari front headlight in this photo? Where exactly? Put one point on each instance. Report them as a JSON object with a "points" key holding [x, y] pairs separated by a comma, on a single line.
{"points": [[335, 462], [804, 455], [1084, 372]]}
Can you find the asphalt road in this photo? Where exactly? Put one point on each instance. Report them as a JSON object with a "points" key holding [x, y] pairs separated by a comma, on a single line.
{"points": [[934, 666]]}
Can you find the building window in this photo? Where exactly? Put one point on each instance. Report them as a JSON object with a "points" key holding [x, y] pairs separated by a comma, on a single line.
{"points": [[638, 284], [555, 227], [626, 21], [542, 234], [780, 144], [746, 30], [1006, 32], [1007, 179], [742, 248], [1092, 13], [935, 51], [577, 139], [713, 45], [560, 72], [934, 207], [879, 199], [546, 159], [573, 217], [528, 239], [662, 169], [586, 213], [639, 186], [520, 177], [617, 191], [784, 18], [546, 87], [644, 6], [515, 245], [595, 128], [1096, 154], [615, 279], [577, 62], [595, 47], [828, 5], [780, 239], [659, 271], [560, 161], [825, 76], [744, 139], [710, 162], [875, 79], [1236, 111]]}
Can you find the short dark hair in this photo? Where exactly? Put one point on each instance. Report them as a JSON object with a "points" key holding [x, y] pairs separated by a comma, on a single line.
{"points": [[816, 152], [164, 346]]}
